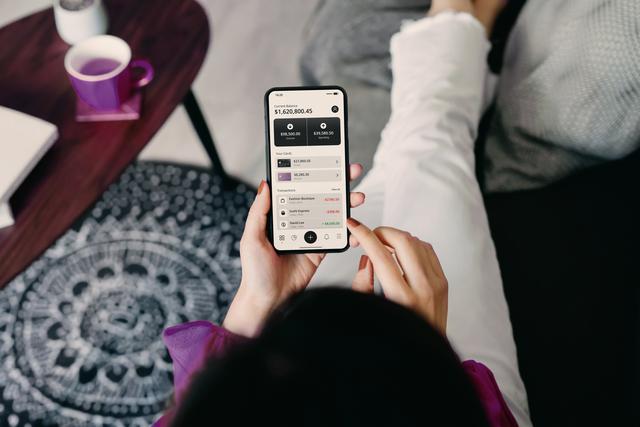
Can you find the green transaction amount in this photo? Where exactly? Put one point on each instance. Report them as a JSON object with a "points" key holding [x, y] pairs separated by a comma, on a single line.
{"points": [[331, 223]]}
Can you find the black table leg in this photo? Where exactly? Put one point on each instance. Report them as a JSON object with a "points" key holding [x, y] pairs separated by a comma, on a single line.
{"points": [[200, 125]]}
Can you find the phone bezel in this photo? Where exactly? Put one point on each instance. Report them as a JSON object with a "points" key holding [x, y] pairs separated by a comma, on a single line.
{"points": [[268, 157]]}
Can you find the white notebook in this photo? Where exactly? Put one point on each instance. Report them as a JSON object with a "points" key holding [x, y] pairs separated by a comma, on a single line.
{"points": [[23, 141], [6, 217]]}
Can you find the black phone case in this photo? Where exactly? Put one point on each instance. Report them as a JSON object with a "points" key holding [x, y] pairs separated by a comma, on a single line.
{"points": [[268, 157]]}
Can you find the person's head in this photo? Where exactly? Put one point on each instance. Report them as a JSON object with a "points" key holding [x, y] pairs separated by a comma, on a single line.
{"points": [[336, 357]]}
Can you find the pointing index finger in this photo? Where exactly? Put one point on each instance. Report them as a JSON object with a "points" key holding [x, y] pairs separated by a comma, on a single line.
{"points": [[384, 265]]}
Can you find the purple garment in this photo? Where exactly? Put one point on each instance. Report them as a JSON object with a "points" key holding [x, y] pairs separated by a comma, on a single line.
{"points": [[190, 344]]}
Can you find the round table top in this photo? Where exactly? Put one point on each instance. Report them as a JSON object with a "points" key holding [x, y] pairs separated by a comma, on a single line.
{"points": [[173, 35]]}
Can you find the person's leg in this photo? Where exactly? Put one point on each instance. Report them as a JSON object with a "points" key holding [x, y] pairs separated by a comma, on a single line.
{"points": [[424, 181], [339, 269], [347, 44]]}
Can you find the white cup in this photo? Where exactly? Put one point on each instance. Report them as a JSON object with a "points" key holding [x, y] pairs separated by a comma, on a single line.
{"points": [[77, 25]]}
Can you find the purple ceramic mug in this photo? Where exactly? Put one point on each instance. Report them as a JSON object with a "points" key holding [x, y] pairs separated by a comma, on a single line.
{"points": [[100, 71]]}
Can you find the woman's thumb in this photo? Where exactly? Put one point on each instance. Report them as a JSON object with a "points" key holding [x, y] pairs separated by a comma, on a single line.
{"points": [[363, 281]]}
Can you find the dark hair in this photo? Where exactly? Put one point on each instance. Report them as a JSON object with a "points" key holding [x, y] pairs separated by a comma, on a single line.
{"points": [[336, 357]]}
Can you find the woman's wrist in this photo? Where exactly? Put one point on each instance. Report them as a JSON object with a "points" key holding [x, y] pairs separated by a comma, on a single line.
{"points": [[247, 312]]}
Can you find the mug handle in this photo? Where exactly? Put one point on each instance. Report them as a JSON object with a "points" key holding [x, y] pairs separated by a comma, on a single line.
{"points": [[146, 78]]}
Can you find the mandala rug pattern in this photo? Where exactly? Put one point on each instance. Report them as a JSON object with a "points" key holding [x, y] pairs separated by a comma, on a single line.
{"points": [[80, 329]]}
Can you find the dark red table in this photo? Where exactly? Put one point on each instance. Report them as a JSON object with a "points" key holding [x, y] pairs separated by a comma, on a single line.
{"points": [[172, 34]]}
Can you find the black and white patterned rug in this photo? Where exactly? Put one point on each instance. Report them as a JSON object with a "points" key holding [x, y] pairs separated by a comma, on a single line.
{"points": [[80, 329]]}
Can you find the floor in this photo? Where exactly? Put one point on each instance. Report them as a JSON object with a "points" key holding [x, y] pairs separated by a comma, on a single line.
{"points": [[231, 83]]}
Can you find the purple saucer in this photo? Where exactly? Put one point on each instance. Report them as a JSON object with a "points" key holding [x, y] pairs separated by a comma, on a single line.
{"points": [[130, 110]]}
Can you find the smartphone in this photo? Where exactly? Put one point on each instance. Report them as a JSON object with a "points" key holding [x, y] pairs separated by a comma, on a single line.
{"points": [[307, 168]]}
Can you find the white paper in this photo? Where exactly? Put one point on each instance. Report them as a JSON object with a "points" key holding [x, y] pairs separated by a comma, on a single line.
{"points": [[23, 141], [6, 217]]}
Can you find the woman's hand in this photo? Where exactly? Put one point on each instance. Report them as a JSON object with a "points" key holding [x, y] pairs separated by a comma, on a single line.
{"points": [[418, 282], [269, 278]]}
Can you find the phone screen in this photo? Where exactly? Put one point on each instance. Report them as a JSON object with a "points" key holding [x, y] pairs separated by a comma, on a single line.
{"points": [[307, 167]]}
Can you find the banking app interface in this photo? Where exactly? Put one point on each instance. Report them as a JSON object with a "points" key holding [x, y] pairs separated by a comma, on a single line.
{"points": [[307, 138]]}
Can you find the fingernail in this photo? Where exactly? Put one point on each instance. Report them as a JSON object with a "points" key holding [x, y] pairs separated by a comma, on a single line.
{"points": [[353, 222], [363, 262], [261, 187]]}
